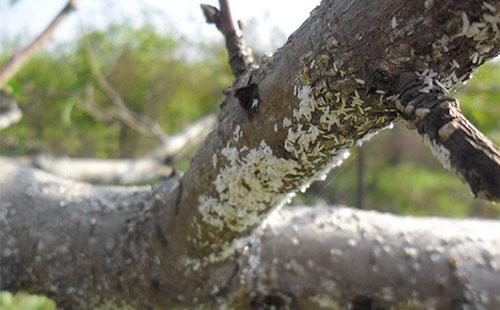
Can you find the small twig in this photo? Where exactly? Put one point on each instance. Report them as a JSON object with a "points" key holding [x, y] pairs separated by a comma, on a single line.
{"points": [[88, 105], [191, 135], [12, 114], [19, 59], [453, 139], [240, 57], [138, 122]]}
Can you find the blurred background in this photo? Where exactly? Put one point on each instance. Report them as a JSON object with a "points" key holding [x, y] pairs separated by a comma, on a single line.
{"points": [[168, 64]]}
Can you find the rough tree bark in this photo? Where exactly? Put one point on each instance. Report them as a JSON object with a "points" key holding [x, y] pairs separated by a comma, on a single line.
{"points": [[350, 70]]}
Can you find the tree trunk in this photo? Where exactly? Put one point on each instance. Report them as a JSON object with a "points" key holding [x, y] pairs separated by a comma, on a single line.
{"points": [[350, 70]]}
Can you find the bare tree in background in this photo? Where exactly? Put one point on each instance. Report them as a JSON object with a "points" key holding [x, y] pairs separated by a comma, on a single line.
{"points": [[209, 237]]}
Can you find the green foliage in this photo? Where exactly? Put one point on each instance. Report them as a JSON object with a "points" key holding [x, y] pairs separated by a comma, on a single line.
{"points": [[148, 69], [15, 89], [22, 301], [480, 100], [412, 190]]}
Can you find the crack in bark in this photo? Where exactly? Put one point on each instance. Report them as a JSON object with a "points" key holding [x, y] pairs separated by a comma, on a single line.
{"points": [[349, 8], [177, 203]]}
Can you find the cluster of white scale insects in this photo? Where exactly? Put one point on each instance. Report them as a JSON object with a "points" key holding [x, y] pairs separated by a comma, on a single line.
{"points": [[253, 180]]}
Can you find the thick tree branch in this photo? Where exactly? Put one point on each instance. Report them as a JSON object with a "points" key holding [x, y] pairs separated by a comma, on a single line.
{"points": [[330, 87], [106, 248], [240, 56], [10, 113], [89, 232], [153, 166], [328, 258], [19, 59], [327, 90]]}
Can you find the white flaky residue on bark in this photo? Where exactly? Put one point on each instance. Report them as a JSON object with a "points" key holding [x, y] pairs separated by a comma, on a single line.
{"points": [[250, 182], [483, 32], [480, 31], [303, 132], [324, 301], [330, 116]]}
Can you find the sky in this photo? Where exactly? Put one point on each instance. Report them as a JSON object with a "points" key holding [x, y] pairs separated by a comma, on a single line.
{"points": [[272, 20]]}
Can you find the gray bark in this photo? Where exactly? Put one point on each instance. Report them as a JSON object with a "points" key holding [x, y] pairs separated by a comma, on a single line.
{"points": [[460, 146], [86, 246], [334, 257], [336, 81]]}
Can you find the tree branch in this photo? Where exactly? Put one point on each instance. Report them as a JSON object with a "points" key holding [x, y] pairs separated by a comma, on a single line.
{"points": [[330, 258], [108, 249], [317, 97], [98, 171], [19, 59], [88, 105], [189, 136], [460, 146], [327, 90], [153, 166], [10, 113], [240, 57], [139, 122]]}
